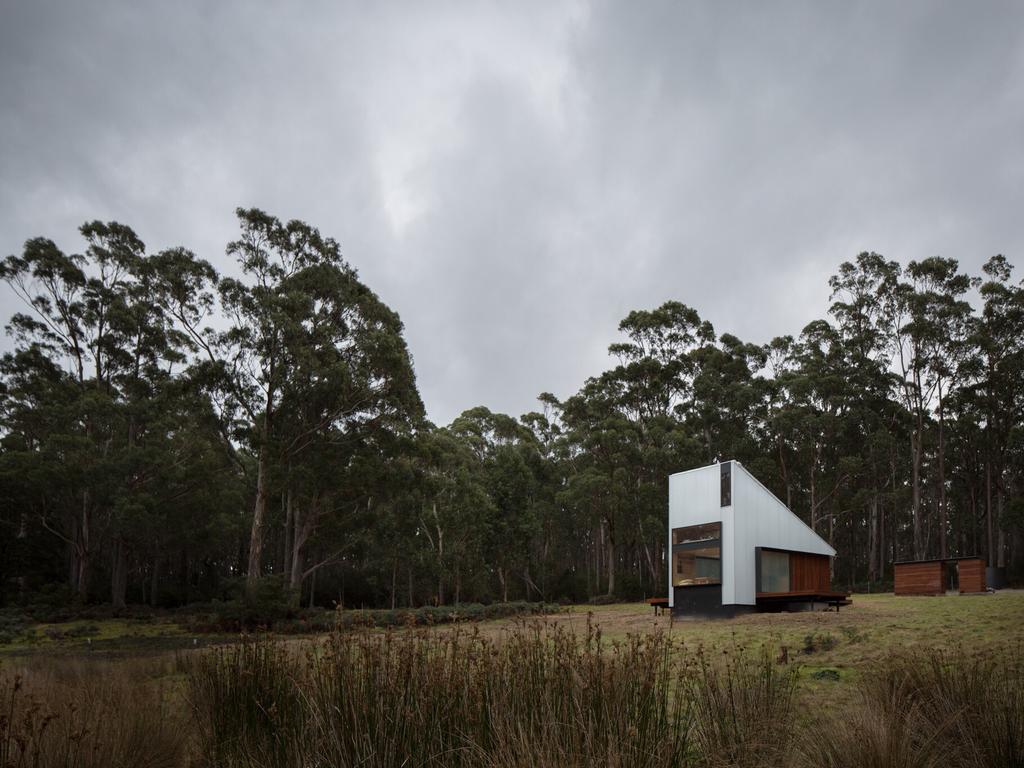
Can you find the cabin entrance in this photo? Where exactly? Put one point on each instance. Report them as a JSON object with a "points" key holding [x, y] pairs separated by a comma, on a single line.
{"points": [[952, 576]]}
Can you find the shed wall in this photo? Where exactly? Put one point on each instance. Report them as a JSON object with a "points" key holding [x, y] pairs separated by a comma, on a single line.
{"points": [[972, 575], [919, 578]]}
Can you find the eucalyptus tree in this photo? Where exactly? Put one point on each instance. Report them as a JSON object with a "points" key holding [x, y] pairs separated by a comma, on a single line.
{"points": [[654, 391], [1000, 341], [349, 392], [114, 427], [862, 304], [298, 315], [941, 326], [453, 503], [513, 477], [70, 300]]}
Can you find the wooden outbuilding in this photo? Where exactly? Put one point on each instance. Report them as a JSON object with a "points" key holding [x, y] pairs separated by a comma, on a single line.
{"points": [[965, 575]]}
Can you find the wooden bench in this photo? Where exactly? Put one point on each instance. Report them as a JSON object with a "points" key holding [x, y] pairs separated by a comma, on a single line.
{"points": [[660, 604]]}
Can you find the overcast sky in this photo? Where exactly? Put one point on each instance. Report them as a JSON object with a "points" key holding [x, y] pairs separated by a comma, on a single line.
{"points": [[514, 178]]}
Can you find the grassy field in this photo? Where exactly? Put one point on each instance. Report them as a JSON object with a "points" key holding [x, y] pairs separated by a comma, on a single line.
{"points": [[855, 637], [885, 676]]}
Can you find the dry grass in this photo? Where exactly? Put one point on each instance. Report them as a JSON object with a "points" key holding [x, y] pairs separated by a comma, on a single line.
{"points": [[612, 687], [540, 697], [77, 715]]}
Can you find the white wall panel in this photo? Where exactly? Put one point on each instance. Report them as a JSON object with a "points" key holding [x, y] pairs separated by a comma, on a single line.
{"points": [[764, 521], [693, 498]]}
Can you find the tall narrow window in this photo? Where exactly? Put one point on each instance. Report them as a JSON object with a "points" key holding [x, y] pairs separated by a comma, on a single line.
{"points": [[726, 483], [697, 555]]}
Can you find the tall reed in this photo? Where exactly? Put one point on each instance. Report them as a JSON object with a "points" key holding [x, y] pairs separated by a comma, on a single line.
{"points": [[86, 715], [930, 708], [540, 696]]}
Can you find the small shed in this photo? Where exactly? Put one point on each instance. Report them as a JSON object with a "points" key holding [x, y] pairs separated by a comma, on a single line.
{"points": [[965, 575]]}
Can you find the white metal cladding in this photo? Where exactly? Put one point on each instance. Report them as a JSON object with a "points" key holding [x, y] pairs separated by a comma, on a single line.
{"points": [[764, 521], [694, 497], [756, 519]]}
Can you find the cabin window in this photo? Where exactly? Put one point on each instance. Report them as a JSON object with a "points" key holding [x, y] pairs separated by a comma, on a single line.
{"points": [[726, 483], [697, 555], [774, 571]]}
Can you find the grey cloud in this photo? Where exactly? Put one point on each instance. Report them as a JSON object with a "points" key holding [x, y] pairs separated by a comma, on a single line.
{"points": [[513, 179]]}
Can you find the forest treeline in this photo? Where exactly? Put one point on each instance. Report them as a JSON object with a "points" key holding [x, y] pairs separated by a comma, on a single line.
{"points": [[172, 435]]}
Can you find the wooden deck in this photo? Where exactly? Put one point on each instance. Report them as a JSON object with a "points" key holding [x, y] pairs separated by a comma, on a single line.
{"points": [[660, 604]]}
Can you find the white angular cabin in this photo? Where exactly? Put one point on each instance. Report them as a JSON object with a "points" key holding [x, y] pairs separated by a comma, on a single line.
{"points": [[734, 547]]}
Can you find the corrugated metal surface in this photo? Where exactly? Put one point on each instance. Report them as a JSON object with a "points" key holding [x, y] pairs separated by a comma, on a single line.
{"points": [[761, 520], [756, 518]]}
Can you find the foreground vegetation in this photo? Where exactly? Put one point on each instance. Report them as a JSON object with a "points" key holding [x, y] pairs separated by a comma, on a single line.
{"points": [[540, 696], [887, 682]]}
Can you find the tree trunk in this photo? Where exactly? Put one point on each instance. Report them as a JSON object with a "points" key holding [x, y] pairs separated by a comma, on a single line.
{"points": [[258, 515], [312, 589], [610, 543], [1001, 545], [503, 580], [154, 583], [394, 583], [82, 551], [814, 503], [119, 575], [288, 531], [873, 539], [942, 481], [915, 448], [881, 542], [988, 515]]}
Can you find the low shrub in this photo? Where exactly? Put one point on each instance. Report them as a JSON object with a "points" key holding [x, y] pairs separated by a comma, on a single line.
{"points": [[820, 642]]}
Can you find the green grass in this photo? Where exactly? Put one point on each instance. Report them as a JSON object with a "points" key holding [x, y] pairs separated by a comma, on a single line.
{"points": [[861, 634]]}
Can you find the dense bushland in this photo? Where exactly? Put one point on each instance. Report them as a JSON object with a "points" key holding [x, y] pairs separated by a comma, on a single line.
{"points": [[171, 435], [534, 696]]}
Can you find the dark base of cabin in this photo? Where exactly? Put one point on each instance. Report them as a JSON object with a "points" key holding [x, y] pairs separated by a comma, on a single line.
{"points": [[705, 602]]}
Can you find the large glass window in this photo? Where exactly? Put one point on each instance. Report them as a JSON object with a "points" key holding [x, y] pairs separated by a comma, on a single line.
{"points": [[726, 484], [774, 571], [697, 555]]}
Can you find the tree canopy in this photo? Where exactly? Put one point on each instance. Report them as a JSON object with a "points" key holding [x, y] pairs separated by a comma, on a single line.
{"points": [[169, 434]]}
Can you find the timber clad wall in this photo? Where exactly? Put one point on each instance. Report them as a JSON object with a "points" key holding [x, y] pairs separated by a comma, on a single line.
{"points": [[972, 575], [808, 572], [919, 578]]}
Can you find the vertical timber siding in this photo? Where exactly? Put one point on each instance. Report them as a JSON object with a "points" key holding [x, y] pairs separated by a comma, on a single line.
{"points": [[809, 572], [919, 578]]}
